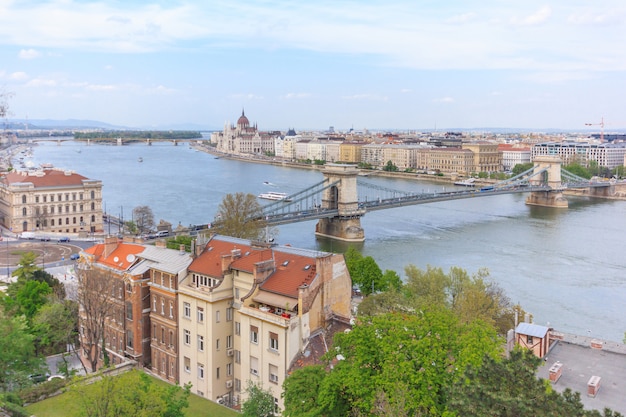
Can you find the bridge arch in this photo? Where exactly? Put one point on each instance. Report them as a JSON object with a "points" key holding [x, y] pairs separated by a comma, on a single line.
{"points": [[551, 176], [343, 197]]}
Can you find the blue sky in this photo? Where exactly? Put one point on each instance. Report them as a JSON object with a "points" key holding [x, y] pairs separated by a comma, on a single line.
{"points": [[312, 64]]}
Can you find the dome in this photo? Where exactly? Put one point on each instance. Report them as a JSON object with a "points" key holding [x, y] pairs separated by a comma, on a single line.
{"points": [[243, 122]]}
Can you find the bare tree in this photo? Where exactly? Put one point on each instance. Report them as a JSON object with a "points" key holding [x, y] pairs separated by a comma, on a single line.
{"points": [[144, 218], [94, 298], [240, 215]]}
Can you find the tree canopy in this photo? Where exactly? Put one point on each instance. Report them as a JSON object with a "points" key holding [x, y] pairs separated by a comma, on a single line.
{"points": [[240, 215], [260, 403]]}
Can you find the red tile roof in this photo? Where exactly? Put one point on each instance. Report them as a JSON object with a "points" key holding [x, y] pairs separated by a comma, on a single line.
{"points": [[291, 270], [50, 178], [122, 257]]}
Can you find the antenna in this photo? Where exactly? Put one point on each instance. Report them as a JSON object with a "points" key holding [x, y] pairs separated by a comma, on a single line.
{"points": [[601, 124]]}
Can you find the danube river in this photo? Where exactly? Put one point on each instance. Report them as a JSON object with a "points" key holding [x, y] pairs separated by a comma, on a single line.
{"points": [[566, 267]]}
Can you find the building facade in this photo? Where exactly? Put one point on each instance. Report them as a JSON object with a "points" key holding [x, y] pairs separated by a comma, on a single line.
{"points": [[513, 155], [486, 156], [609, 155], [249, 310], [50, 200], [243, 138]]}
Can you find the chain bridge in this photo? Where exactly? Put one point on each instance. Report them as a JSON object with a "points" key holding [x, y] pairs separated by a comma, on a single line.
{"points": [[340, 200]]}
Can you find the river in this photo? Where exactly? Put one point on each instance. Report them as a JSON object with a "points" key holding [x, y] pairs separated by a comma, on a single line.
{"points": [[566, 267]]}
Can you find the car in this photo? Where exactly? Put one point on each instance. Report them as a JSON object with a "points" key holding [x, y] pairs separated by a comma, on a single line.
{"points": [[37, 378], [161, 233], [74, 256], [64, 239], [45, 238]]}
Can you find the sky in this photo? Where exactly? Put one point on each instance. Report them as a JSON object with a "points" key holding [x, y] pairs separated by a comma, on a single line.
{"points": [[363, 64]]}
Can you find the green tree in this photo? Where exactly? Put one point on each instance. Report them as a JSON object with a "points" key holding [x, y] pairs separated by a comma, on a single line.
{"points": [[368, 276], [391, 280], [260, 403], [26, 267], [390, 167], [55, 326], [28, 298], [131, 394], [18, 359], [300, 392], [577, 169], [519, 168], [240, 215], [510, 388], [406, 359]]}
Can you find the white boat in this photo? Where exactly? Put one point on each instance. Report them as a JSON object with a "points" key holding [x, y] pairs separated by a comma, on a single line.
{"points": [[274, 196], [140, 159], [466, 183]]}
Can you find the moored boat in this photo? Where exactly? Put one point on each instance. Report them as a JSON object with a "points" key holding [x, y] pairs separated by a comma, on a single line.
{"points": [[467, 183]]}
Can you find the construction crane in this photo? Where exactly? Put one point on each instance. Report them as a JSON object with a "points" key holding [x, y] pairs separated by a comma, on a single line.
{"points": [[601, 124]]}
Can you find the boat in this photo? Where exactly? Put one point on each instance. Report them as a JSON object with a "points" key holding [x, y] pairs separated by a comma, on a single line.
{"points": [[466, 183], [274, 196], [140, 159]]}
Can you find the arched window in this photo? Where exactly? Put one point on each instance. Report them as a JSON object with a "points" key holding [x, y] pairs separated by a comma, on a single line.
{"points": [[67, 220], [52, 222], [24, 211], [93, 195], [93, 218], [24, 199], [73, 220], [93, 206]]}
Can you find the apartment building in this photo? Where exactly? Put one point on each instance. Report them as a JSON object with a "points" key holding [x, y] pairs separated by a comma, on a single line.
{"points": [[248, 310], [610, 155], [350, 152], [50, 200], [141, 323], [513, 155], [449, 160]]}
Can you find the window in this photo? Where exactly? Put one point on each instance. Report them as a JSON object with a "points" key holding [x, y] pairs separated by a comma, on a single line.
{"points": [[154, 334], [201, 343], [273, 341], [162, 335], [229, 314], [217, 316], [187, 364], [171, 344], [217, 373], [24, 199], [217, 344], [200, 314], [129, 339], [254, 334], [229, 342], [171, 309], [154, 302], [162, 306], [229, 369], [237, 328], [254, 365], [129, 310], [237, 384], [187, 337], [24, 211], [187, 310], [200, 371], [529, 339], [237, 356], [273, 374]]}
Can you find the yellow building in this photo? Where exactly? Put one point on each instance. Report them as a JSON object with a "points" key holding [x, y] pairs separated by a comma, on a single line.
{"points": [[487, 158], [350, 152], [248, 311], [50, 200]]}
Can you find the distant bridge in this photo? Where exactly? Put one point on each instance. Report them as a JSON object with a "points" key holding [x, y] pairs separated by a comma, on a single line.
{"points": [[342, 198]]}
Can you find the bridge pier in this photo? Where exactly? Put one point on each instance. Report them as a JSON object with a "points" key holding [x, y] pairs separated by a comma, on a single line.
{"points": [[552, 177], [547, 199], [342, 197]]}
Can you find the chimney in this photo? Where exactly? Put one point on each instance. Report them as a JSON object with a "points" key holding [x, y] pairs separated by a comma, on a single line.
{"points": [[110, 244], [160, 243]]}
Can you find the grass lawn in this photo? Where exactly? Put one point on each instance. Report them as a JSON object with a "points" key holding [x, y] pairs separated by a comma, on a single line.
{"points": [[65, 405]]}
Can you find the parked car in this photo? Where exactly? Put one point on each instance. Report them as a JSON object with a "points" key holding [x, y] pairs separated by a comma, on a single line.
{"points": [[64, 239], [161, 233], [74, 256], [45, 238]]}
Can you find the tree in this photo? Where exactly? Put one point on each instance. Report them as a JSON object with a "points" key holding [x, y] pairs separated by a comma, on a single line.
{"points": [[94, 289], [403, 360], [132, 394], [260, 403], [143, 218], [577, 169], [240, 215], [519, 168], [26, 267], [55, 327], [300, 392], [18, 359], [390, 167], [510, 388]]}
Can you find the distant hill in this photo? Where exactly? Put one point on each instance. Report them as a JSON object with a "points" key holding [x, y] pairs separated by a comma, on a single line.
{"points": [[60, 124]]}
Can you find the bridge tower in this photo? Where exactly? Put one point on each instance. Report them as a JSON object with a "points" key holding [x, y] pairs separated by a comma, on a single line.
{"points": [[552, 178], [343, 197]]}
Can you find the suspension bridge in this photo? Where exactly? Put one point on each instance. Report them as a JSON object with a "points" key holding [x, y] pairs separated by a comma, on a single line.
{"points": [[340, 200]]}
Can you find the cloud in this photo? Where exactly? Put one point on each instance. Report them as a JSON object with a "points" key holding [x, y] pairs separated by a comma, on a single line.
{"points": [[29, 54], [540, 16], [289, 96], [18, 76], [42, 82], [462, 18], [444, 100], [366, 96], [248, 96]]}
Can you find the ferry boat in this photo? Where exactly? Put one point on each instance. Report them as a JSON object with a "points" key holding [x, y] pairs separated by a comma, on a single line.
{"points": [[271, 195], [467, 183]]}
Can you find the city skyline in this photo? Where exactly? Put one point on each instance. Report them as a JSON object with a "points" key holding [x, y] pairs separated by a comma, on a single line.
{"points": [[348, 64]]}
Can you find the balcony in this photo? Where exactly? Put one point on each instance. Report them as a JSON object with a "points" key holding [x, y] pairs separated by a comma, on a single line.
{"points": [[270, 315]]}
